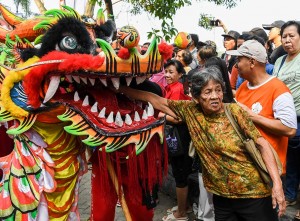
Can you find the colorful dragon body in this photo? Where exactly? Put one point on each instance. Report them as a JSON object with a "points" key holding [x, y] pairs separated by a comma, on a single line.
{"points": [[58, 102]]}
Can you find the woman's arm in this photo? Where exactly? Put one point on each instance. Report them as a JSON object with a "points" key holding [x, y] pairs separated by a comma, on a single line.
{"points": [[269, 160], [159, 103]]}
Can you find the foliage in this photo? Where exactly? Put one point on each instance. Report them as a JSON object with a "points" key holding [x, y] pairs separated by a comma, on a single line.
{"points": [[163, 10], [204, 21], [166, 9], [25, 4]]}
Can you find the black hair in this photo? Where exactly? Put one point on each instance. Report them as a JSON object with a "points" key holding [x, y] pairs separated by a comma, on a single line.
{"points": [[290, 23], [195, 39], [187, 57], [245, 36], [207, 52], [179, 67], [221, 65], [260, 32], [257, 38], [146, 43]]}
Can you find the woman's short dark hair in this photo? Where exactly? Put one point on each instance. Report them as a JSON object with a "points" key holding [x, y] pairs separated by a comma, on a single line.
{"points": [[179, 67], [200, 80], [207, 52], [290, 23], [187, 57]]}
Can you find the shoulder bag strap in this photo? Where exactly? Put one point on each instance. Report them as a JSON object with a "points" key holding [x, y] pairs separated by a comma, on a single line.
{"points": [[282, 62], [233, 122]]}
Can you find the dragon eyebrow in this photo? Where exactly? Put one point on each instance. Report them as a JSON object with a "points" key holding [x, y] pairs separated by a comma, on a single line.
{"points": [[39, 63]]}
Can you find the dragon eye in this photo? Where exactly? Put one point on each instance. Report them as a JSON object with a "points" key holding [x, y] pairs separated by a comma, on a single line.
{"points": [[68, 42], [131, 38]]}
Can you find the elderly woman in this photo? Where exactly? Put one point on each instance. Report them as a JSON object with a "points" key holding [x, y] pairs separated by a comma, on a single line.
{"points": [[228, 172]]}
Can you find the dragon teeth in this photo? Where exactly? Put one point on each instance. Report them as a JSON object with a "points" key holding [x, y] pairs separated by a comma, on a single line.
{"points": [[128, 120], [145, 116], [118, 121], [92, 80], [76, 78], [76, 96], [128, 80], [102, 113], [85, 101], [54, 83], [150, 110], [84, 79], [110, 118], [140, 80], [103, 81], [94, 108], [116, 82], [136, 116]]}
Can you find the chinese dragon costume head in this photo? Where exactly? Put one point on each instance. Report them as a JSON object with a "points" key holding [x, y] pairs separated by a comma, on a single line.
{"points": [[57, 101]]}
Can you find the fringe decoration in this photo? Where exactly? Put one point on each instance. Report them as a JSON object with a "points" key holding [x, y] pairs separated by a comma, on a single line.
{"points": [[137, 175]]}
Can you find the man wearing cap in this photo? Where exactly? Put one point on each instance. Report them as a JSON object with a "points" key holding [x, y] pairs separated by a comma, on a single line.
{"points": [[230, 43], [267, 99], [275, 39]]}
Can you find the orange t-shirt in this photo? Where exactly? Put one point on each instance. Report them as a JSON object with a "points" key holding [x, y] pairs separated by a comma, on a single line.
{"points": [[233, 77], [260, 100]]}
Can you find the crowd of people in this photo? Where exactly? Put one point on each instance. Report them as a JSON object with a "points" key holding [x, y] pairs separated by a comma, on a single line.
{"points": [[258, 74]]}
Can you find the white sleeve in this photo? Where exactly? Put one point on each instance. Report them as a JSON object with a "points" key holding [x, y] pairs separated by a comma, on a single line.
{"points": [[284, 110]]}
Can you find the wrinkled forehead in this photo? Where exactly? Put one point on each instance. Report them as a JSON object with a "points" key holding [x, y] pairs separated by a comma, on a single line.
{"points": [[212, 84]]}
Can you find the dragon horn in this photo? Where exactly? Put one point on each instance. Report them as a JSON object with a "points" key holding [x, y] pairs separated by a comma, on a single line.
{"points": [[9, 17], [100, 19]]}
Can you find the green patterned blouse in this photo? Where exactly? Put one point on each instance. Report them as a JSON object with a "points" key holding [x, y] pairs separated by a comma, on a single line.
{"points": [[226, 166]]}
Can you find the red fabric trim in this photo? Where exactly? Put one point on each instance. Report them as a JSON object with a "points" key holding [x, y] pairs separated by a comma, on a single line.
{"points": [[135, 175]]}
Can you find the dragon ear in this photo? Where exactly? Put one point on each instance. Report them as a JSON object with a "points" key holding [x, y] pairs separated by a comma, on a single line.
{"points": [[28, 53]]}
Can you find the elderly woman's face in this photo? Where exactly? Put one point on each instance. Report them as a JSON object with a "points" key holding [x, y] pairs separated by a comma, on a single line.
{"points": [[211, 98], [171, 74], [291, 40]]}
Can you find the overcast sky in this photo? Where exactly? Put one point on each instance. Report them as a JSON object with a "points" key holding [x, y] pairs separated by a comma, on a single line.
{"points": [[247, 15]]}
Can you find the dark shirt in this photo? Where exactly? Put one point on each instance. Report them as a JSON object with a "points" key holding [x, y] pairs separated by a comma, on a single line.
{"points": [[229, 62], [277, 52]]}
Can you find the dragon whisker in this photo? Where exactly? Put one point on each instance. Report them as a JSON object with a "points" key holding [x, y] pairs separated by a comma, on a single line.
{"points": [[39, 63]]}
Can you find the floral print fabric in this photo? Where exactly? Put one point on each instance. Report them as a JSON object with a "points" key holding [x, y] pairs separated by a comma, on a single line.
{"points": [[227, 168]]}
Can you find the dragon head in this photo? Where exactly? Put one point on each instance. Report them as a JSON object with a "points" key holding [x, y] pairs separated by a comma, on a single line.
{"points": [[66, 80]]}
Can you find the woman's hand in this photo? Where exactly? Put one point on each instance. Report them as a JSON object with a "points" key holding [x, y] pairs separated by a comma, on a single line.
{"points": [[278, 198], [248, 110]]}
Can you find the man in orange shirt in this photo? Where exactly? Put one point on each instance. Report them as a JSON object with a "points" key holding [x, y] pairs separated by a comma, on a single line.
{"points": [[267, 99]]}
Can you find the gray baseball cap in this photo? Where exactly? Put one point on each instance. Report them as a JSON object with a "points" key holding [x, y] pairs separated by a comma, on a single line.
{"points": [[251, 49], [277, 24]]}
